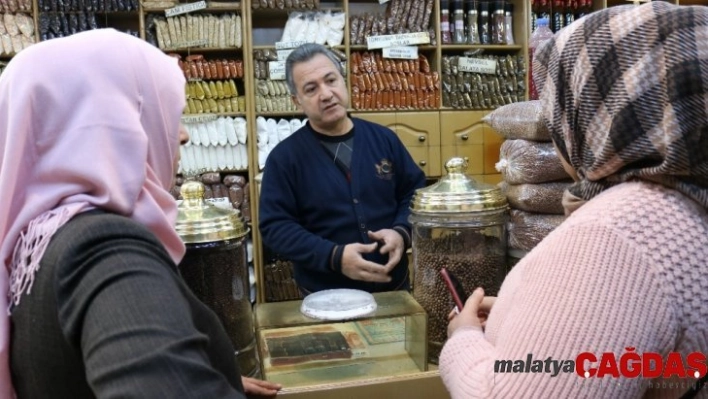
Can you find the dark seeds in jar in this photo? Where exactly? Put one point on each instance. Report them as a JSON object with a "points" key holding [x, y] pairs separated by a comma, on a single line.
{"points": [[477, 260]]}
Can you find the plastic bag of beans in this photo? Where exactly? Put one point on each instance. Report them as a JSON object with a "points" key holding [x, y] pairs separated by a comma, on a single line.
{"points": [[527, 229], [520, 120], [524, 161], [539, 198]]}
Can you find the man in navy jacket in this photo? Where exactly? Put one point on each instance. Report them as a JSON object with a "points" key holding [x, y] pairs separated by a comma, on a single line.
{"points": [[335, 194]]}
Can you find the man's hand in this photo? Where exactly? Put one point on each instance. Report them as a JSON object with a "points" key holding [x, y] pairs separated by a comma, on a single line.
{"points": [[253, 386], [356, 267], [393, 245]]}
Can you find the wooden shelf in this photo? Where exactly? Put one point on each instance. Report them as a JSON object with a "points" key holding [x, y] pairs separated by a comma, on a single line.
{"points": [[364, 47], [266, 12], [490, 47], [280, 114], [210, 8], [216, 114], [203, 50], [269, 47]]}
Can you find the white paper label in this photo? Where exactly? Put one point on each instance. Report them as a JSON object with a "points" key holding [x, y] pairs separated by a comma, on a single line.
{"points": [[287, 45], [403, 39], [383, 1], [222, 203], [276, 70], [477, 65], [283, 54], [198, 118], [185, 8], [404, 53]]}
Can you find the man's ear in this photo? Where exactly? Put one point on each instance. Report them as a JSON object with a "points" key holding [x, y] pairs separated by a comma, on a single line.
{"points": [[295, 101]]}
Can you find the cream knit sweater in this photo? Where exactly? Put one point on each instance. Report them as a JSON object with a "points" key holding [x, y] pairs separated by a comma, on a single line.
{"points": [[627, 269]]}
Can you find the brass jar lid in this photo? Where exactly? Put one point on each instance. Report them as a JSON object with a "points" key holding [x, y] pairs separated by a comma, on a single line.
{"points": [[456, 192], [199, 221]]}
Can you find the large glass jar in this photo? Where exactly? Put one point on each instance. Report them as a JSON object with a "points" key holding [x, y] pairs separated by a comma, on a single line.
{"points": [[215, 268], [460, 224]]}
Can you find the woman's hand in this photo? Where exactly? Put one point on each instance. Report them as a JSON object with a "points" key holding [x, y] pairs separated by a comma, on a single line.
{"points": [[474, 314], [253, 386]]}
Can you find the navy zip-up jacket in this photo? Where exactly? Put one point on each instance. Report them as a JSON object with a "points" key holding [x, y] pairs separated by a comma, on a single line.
{"points": [[308, 206]]}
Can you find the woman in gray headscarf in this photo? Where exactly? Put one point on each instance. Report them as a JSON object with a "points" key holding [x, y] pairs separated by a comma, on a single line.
{"points": [[625, 96]]}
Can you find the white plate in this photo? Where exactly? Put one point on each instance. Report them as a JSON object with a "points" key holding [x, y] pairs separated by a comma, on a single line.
{"points": [[338, 304]]}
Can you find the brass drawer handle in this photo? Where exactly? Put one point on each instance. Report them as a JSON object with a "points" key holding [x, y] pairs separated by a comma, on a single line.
{"points": [[422, 163], [421, 138], [465, 137]]}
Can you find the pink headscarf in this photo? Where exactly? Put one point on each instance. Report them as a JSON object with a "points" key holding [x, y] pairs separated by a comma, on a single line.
{"points": [[88, 121]]}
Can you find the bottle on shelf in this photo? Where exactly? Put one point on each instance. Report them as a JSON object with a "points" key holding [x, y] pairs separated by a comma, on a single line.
{"points": [[584, 8], [498, 23], [557, 23], [445, 37], [571, 8], [485, 36], [542, 34], [534, 14], [544, 9], [509, 23], [459, 36], [472, 25]]}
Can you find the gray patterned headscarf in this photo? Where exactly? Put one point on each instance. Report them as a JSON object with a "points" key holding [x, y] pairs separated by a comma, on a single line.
{"points": [[625, 96]]}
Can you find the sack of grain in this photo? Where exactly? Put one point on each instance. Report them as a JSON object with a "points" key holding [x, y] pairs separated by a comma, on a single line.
{"points": [[521, 120], [527, 229], [539, 198], [524, 161]]}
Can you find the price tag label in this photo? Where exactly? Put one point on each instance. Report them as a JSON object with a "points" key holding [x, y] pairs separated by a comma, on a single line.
{"points": [[283, 54], [276, 70], [404, 53], [222, 203], [477, 65], [185, 8], [287, 45], [403, 39], [198, 118]]}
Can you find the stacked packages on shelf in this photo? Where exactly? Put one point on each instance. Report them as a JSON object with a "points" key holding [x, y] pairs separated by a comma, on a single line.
{"points": [[59, 18], [16, 29], [382, 84], [471, 90], [401, 16], [322, 27], [200, 31], [214, 145], [534, 178], [270, 132]]}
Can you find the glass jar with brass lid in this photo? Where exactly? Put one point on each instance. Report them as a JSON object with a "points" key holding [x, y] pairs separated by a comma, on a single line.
{"points": [[460, 224], [215, 268]]}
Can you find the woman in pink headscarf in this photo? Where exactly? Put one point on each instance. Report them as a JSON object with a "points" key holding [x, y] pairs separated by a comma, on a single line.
{"points": [[89, 139]]}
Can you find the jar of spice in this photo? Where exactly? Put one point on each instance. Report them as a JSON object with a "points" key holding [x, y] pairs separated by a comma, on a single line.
{"points": [[445, 36], [215, 268], [472, 25], [485, 36], [459, 19], [498, 25], [460, 224]]}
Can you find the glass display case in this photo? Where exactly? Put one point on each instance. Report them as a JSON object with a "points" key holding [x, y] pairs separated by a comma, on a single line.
{"points": [[298, 351]]}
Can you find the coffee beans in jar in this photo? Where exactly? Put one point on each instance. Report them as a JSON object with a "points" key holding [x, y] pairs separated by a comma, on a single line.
{"points": [[474, 258]]}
